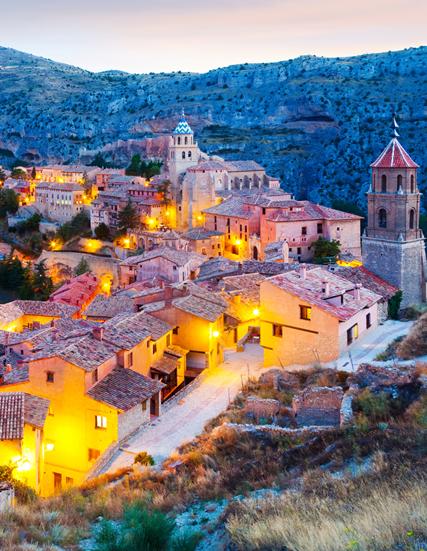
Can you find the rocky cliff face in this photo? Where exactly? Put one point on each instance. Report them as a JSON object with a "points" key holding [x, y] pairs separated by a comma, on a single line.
{"points": [[316, 123]]}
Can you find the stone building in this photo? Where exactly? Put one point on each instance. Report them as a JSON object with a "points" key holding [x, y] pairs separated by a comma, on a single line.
{"points": [[59, 202], [393, 244]]}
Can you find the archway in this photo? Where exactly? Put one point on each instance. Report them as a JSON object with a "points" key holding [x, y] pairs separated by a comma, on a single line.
{"points": [[255, 252]]}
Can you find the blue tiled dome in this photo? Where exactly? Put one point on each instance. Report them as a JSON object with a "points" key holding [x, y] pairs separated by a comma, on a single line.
{"points": [[183, 127]]}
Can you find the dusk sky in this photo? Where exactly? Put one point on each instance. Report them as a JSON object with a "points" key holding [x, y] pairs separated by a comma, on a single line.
{"points": [[196, 35]]}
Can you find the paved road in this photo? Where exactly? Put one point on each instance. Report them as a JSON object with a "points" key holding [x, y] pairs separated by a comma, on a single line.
{"points": [[186, 419]]}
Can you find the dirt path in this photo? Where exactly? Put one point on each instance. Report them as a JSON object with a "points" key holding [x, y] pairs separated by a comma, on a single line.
{"points": [[185, 419]]}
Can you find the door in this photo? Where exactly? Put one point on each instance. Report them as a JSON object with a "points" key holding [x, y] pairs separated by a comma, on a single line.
{"points": [[57, 482]]}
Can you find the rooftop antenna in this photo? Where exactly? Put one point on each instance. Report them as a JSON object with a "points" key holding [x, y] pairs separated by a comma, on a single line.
{"points": [[395, 127]]}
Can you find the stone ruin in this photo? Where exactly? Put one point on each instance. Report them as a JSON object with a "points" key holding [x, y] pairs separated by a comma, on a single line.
{"points": [[382, 377], [318, 406], [262, 407], [280, 379]]}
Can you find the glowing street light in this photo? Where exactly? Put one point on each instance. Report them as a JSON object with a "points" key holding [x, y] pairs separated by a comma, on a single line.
{"points": [[215, 334], [255, 312]]}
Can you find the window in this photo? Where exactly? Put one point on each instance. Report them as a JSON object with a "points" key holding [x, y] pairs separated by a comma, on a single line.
{"points": [[263, 210], [69, 481], [183, 154], [277, 330], [383, 183], [411, 219], [130, 359], [179, 140], [320, 227], [144, 405], [50, 377], [412, 184], [352, 334], [175, 330], [399, 181], [368, 321], [382, 218], [57, 482], [235, 249], [185, 140], [154, 348], [305, 312], [189, 155], [100, 422], [93, 454], [299, 250], [94, 376], [304, 230]]}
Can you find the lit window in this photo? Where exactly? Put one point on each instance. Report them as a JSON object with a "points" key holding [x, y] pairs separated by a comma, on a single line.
{"points": [[100, 422], [305, 312]]}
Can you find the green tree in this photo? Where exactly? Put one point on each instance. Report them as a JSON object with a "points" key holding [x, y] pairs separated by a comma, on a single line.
{"points": [[82, 267], [102, 232], [42, 283], [9, 202], [128, 217], [26, 290], [79, 225], [134, 169], [99, 161], [29, 225], [19, 173], [148, 169], [325, 251]]}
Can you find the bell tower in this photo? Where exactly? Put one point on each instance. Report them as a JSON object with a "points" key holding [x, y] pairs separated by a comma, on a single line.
{"points": [[393, 243], [183, 151]]}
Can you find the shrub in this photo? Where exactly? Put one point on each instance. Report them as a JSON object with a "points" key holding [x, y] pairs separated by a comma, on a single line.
{"points": [[376, 407], [144, 458], [415, 344]]}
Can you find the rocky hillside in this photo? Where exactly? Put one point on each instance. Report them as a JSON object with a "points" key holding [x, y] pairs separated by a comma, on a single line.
{"points": [[314, 122]]}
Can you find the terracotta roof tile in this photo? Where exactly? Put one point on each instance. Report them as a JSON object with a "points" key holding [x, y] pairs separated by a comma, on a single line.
{"points": [[18, 408], [394, 156], [123, 389]]}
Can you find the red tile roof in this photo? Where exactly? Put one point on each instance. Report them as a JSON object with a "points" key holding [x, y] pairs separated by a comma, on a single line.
{"points": [[310, 288], [18, 408], [394, 156], [123, 388]]}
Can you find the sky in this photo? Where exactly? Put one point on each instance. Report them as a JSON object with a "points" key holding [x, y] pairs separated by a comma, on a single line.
{"points": [[140, 36]]}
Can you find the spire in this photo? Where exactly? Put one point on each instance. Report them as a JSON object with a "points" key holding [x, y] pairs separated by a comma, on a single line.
{"points": [[395, 127]]}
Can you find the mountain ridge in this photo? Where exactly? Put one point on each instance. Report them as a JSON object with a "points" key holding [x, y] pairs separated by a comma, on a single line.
{"points": [[315, 122]]}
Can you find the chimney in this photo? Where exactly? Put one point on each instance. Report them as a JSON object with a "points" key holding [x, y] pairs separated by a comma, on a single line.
{"points": [[326, 288], [303, 271], [356, 293], [168, 295], [98, 333], [54, 333]]}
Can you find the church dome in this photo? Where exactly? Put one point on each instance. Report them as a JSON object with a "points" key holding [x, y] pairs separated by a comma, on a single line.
{"points": [[183, 127]]}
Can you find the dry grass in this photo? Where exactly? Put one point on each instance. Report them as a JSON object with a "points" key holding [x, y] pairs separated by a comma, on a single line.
{"points": [[372, 517], [415, 344]]}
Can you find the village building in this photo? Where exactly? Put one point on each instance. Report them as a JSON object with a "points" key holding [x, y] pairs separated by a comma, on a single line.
{"points": [[105, 175], [59, 202], [393, 244], [22, 441], [78, 291], [312, 315], [252, 223], [19, 315], [171, 264], [209, 243], [71, 174], [64, 364]]}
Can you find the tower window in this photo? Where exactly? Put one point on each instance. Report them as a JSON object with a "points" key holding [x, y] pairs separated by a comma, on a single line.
{"points": [[382, 218], [183, 154], [185, 140], [399, 181], [411, 219], [412, 184], [189, 155], [383, 183], [179, 140]]}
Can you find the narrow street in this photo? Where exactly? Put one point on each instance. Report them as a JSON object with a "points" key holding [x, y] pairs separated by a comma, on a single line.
{"points": [[186, 418]]}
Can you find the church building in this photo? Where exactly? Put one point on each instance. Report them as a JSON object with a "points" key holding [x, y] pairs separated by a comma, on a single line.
{"points": [[393, 243]]}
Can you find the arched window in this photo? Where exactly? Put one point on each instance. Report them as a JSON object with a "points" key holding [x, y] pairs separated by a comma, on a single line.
{"points": [[189, 155], [399, 181], [183, 154], [179, 140], [382, 218], [383, 183], [375, 182], [412, 183], [411, 219], [185, 140]]}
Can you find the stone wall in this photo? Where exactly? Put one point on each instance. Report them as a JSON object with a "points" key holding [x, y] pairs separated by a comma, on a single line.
{"points": [[402, 264], [318, 406]]}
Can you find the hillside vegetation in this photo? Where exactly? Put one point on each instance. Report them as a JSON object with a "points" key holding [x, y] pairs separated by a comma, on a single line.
{"points": [[314, 122]]}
